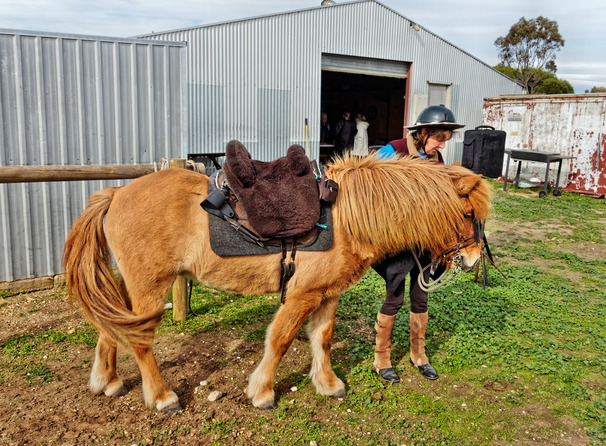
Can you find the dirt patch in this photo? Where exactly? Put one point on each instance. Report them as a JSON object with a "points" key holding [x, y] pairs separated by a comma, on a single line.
{"points": [[502, 236], [587, 252], [63, 411]]}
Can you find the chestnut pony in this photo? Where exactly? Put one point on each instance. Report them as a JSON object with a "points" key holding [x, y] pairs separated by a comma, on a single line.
{"points": [[157, 230]]}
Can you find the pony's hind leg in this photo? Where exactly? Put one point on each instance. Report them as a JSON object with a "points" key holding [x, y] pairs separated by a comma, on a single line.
{"points": [[320, 331], [104, 375], [280, 334], [156, 392]]}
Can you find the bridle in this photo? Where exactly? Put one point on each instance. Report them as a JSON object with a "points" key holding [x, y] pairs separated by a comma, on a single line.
{"points": [[450, 255]]}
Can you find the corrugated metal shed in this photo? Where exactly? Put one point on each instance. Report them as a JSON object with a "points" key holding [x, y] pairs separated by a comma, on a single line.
{"points": [[572, 125], [258, 79], [78, 100]]}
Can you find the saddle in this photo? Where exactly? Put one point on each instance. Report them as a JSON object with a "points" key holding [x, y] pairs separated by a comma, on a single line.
{"points": [[280, 198], [272, 201]]}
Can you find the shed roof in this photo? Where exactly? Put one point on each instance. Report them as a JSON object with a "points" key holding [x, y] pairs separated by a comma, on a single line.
{"points": [[335, 5]]}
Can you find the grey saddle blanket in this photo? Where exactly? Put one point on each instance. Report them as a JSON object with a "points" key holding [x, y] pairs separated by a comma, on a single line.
{"points": [[226, 241]]}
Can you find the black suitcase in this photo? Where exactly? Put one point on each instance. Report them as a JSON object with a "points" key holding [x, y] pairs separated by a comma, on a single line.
{"points": [[483, 151]]}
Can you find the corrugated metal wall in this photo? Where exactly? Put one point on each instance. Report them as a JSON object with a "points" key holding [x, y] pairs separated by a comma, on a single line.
{"points": [[257, 80], [78, 100]]}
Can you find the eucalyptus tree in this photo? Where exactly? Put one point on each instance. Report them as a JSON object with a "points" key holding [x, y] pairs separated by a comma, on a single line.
{"points": [[529, 48]]}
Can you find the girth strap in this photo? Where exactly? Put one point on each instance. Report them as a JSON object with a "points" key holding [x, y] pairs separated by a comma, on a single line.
{"points": [[286, 269]]}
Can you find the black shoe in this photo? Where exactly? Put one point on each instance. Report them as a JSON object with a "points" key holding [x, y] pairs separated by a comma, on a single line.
{"points": [[426, 370], [389, 375]]}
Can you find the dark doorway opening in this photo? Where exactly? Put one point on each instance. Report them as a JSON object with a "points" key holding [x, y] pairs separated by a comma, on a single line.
{"points": [[381, 99]]}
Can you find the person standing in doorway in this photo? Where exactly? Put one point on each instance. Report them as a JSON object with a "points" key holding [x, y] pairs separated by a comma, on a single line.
{"points": [[325, 130], [345, 132], [360, 146], [425, 139]]}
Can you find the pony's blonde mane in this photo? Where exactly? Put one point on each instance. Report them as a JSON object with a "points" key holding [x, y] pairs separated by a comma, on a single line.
{"points": [[479, 194], [402, 203]]}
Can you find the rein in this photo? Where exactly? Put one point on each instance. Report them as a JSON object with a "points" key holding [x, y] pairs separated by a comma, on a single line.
{"points": [[440, 281], [453, 254]]}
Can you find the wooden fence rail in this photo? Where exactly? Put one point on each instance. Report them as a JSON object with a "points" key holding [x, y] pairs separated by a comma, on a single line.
{"points": [[32, 174]]}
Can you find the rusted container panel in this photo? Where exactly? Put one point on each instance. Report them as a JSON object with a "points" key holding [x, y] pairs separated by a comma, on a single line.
{"points": [[572, 125]]}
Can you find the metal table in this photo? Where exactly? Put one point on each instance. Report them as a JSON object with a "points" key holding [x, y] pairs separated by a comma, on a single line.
{"points": [[539, 157], [212, 156]]}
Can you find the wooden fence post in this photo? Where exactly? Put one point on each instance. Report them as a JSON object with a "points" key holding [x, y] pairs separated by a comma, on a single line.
{"points": [[180, 304]]}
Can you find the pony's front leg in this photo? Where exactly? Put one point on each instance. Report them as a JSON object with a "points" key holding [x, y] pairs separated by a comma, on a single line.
{"points": [[320, 331], [280, 334], [104, 375]]}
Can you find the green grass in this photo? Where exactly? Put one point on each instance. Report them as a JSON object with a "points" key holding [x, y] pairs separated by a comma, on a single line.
{"points": [[26, 345], [28, 354], [213, 309]]}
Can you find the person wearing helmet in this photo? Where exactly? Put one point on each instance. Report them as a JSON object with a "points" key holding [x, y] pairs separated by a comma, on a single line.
{"points": [[426, 137], [434, 126]]}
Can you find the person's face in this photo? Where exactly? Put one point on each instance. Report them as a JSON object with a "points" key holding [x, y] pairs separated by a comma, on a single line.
{"points": [[324, 119], [435, 143]]}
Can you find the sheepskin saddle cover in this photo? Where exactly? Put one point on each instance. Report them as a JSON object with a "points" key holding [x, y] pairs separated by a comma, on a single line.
{"points": [[279, 197]]}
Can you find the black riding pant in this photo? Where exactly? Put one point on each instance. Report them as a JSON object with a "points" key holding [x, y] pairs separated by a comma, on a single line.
{"points": [[394, 270]]}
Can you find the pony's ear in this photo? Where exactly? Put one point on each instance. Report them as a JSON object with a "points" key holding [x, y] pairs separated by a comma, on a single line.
{"points": [[240, 163], [298, 161], [467, 183]]}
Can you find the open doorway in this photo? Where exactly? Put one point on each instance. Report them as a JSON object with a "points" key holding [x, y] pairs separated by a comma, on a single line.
{"points": [[381, 99]]}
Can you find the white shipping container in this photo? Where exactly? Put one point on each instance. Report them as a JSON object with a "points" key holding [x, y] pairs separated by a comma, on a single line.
{"points": [[571, 125]]}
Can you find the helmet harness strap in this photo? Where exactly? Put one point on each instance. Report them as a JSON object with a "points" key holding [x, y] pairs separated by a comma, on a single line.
{"points": [[424, 143]]}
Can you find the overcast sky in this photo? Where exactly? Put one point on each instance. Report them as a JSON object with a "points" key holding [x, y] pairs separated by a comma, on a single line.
{"points": [[472, 25]]}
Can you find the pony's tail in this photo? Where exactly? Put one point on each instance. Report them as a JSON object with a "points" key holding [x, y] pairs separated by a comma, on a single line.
{"points": [[90, 277]]}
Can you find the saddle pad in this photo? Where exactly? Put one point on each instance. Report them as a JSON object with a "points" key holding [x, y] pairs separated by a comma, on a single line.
{"points": [[225, 241]]}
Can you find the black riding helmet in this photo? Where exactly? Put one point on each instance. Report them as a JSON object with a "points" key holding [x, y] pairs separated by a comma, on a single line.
{"points": [[436, 116]]}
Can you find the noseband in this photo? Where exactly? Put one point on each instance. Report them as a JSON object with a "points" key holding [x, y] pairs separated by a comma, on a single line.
{"points": [[450, 255]]}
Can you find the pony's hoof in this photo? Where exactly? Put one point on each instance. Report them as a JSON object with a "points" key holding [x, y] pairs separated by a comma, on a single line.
{"points": [[170, 403], [115, 390], [340, 394], [267, 403], [120, 392], [271, 406], [263, 400], [174, 408]]}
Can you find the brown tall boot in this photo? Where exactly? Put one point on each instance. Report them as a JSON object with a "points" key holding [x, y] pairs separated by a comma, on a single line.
{"points": [[418, 325], [382, 363]]}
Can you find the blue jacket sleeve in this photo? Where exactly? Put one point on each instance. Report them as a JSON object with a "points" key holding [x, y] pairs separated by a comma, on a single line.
{"points": [[386, 152]]}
